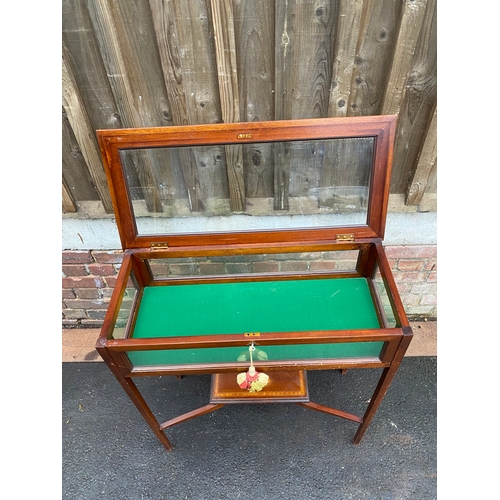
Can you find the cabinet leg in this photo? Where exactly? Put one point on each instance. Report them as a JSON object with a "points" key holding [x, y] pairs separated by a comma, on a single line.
{"points": [[382, 386], [136, 397]]}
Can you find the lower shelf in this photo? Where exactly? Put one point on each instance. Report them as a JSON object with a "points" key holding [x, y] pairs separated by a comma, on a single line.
{"points": [[283, 387]]}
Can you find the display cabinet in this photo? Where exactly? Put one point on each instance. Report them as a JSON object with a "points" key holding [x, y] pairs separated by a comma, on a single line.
{"points": [[253, 252]]}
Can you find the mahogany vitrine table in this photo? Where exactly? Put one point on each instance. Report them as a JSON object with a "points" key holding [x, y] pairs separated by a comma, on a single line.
{"points": [[280, 225]]}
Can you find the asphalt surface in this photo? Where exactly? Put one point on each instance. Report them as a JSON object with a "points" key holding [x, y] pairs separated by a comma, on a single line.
{"points": [[254, 452]]}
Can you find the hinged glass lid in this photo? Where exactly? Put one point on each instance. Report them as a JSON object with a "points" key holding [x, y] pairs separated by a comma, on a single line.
{"points": [[232, 182]]}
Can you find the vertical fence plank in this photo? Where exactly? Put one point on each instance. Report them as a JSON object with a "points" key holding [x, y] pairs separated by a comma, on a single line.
{"points": [[197, 58], [75, 172], [411, 22], [334, 172], [425, 165], [311, 71], [137, 105], [87, 65], [284, 31], [80, 123], [225, 49], [254, 36], [306, 51], [68, 204], [168, 48], [349, 18], [193, 28], [378, 37], [418, 105]]}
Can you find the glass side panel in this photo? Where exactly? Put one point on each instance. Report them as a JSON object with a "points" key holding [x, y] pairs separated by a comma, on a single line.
{"points": [[281, 263], [384, 299], [260, 186], [263, 354], [119, 330]]}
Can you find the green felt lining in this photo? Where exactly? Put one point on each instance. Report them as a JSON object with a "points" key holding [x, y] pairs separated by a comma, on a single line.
{"points": [[270, 306]]}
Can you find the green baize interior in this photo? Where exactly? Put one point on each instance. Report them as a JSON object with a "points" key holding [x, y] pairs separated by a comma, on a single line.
{"points": [[247, 307]]}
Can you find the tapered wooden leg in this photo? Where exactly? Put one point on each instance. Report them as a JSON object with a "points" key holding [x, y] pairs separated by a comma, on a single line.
{"points": [[136, 397], [141, 405], [381, 389]]}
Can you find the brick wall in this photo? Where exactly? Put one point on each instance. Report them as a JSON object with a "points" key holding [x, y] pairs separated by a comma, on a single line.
{"points": [[89, 277]]}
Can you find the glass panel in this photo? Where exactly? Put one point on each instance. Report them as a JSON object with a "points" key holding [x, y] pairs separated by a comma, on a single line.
{"points": [[280, 185], [340, 260], [120, 328], [263, 354], [384, 299]]}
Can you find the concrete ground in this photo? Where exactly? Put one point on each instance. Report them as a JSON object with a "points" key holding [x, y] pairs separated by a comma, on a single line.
{"points": [[249, 452]]}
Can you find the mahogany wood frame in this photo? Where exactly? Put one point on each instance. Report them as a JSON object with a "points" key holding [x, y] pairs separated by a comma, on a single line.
{"points": [[140, 248]]}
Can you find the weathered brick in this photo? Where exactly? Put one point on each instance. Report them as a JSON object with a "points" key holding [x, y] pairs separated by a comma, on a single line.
{"points": [[232, 258], [87, 293], [410, 265], [96, 314], [411, 251], [412, 276], [102, 269], [86, 304], [294, 266], [110, 281], [92, 323], [68, 294], [184, 269], [429, 300], [74, 314], [76, 257], [88, 282], [74, 270], [431, 265], [290, 256], [346, 265], [421, 310], [159, 269], [109, 257], [239, 268], [340, 255], [106, 292], [432, 277], [410, 300], [211, 268], [266, 267], [403, 288], [323, 265], [424, 288], [70, 323]]}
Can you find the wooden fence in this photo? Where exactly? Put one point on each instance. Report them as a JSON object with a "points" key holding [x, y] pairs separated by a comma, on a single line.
{"points": [[139, 63]]}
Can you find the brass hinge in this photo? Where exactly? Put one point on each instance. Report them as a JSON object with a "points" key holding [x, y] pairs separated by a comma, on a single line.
{"points": [[345, 237], [159, 246]]}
